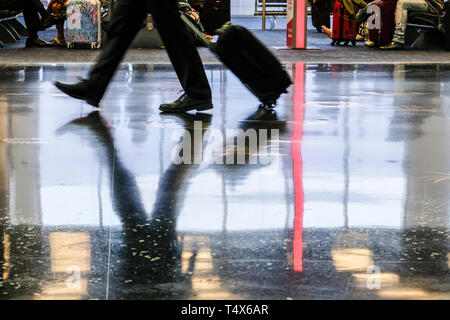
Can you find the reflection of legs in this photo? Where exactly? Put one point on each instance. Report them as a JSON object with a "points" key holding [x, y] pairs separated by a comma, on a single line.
{"points": [[127, 18], [145, 236]]}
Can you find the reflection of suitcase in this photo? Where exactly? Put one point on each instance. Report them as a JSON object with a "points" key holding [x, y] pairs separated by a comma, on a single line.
{"points": [[83, 23], [250, 60], [383, 36], [344, 28]]}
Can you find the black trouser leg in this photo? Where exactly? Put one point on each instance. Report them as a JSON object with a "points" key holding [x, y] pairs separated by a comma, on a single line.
{"points": [[30, 21], [31, 11], [126, 21], [37, 4], [181, 48]]}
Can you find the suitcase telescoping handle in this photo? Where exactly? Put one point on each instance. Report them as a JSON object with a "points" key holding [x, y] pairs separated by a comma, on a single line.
{"points": [[194, 29]]}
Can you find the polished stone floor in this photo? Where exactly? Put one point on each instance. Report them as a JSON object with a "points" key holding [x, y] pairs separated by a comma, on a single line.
{"points": [[341, 192]]}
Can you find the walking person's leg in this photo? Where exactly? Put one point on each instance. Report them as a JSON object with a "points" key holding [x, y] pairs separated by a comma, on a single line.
{"points": [[184, 57], [126, 21]]}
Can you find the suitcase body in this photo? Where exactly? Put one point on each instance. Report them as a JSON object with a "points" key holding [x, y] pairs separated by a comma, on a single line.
{"points": [[383, 36], [344, 28], [83, 23], [249, 59], [252, 62]]}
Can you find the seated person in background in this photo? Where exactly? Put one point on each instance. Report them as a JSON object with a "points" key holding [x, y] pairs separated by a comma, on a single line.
{"points": [[401, 16], [57, 14], [31, 10]]}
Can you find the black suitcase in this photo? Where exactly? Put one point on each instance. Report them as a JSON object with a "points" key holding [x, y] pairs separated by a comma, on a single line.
{"points": [[250, 60]]}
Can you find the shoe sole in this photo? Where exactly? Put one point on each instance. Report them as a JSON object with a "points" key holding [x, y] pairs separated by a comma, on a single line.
{"points": [[201, 107], [89, 101]]}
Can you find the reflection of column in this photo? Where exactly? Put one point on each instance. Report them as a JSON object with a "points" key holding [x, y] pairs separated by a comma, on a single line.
{"points": [[3, 188], [346, 167], [424, 129], [428, 159], [23, 157], [299, 105]]}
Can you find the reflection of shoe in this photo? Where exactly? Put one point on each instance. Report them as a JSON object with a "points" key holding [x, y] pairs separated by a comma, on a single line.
{"points": [[51, 20], [93, 128], [328, 31], [264, 118], [37, 43], [185, 103], [82, 90], [393, 46]]}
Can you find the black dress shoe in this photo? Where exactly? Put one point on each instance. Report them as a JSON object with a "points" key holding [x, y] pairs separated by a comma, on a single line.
{"points": [[185, 103], [393, 46], [37, 43], [83, 90], [51, 20]]}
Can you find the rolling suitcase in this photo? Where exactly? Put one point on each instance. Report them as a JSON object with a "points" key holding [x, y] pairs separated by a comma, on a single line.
{"points": [[344, 28], [250, 60], [383, 36], [83, 23]]}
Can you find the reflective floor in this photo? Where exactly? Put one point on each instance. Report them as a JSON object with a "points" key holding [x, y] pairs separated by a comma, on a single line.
{"points": [[342, 192]]}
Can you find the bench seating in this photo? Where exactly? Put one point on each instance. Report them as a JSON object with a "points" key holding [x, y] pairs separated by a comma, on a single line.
{"points": [[11, 29]]}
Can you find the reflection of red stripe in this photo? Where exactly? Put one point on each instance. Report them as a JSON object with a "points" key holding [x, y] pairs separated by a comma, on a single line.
{"points": [[299, 101]]}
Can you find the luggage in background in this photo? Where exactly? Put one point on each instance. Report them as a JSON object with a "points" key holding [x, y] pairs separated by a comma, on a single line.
{"points": [[83, 23], [344, 28], [383, 36], [213, 13], [250, 60], [320, 13]]}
